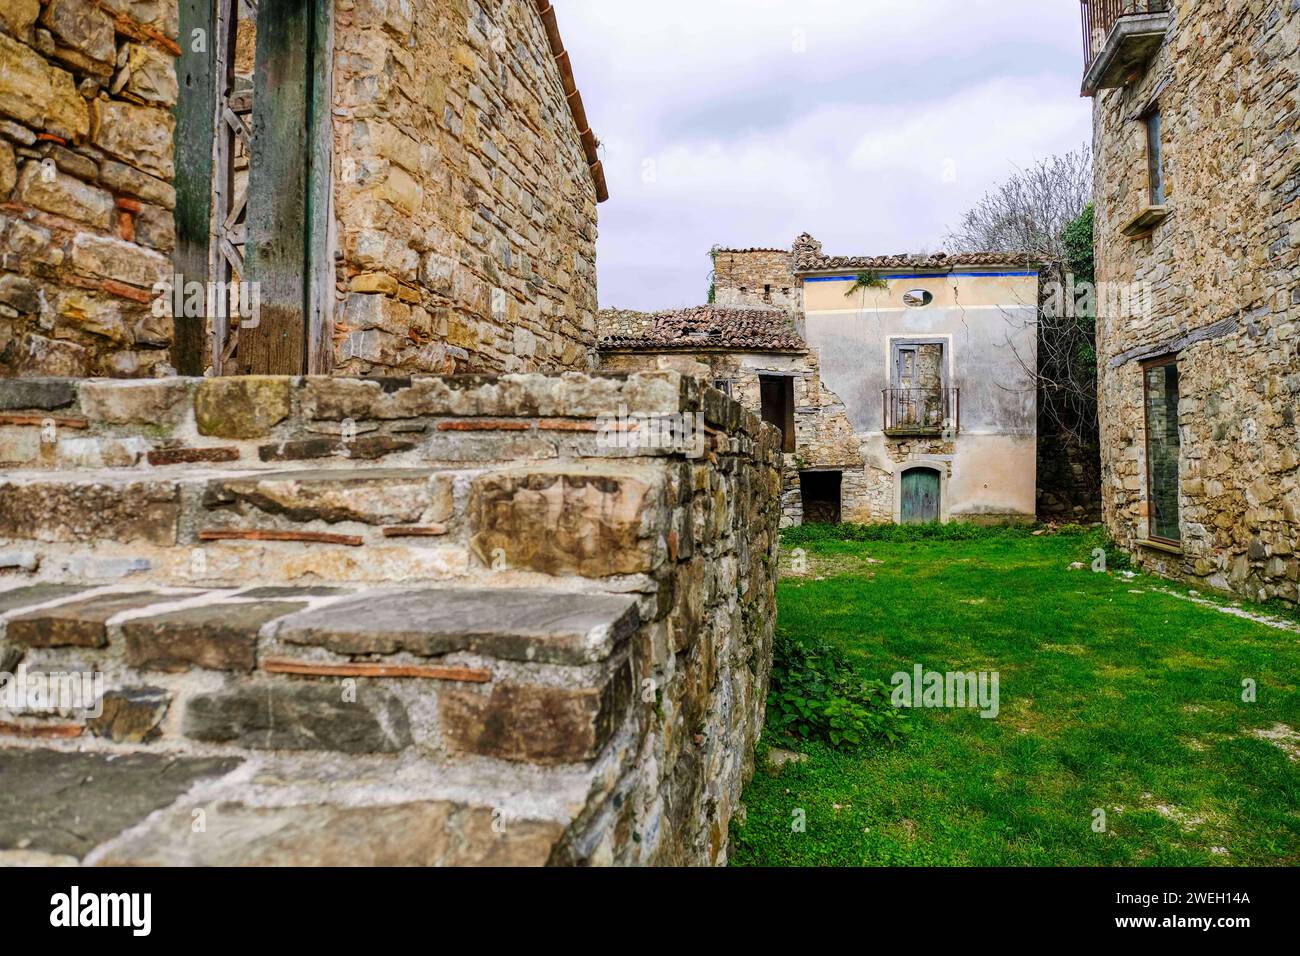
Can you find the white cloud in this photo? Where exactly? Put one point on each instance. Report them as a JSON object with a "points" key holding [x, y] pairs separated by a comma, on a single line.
{"points": [[897, 117]]}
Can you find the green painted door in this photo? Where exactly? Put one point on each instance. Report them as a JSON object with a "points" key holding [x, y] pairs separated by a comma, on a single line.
{"points": [[920, 496]]}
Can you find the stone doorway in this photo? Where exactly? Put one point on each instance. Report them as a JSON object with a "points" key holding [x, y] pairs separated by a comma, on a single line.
{"points": [[822, 496]]}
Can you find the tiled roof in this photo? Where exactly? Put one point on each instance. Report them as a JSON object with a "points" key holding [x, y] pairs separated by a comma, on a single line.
{"points": [[702, 327], [808, 257], [752, 249], [937, 261]]}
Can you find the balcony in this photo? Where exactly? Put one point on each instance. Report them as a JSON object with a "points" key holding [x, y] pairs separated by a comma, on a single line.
{"points": [[1119, 38], [921, 411]]}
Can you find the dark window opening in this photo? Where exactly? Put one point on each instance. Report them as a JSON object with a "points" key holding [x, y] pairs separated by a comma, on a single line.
{"points": [[1155, 164], [723, 385], [1160, 384], [821, 492], [776, 393]]}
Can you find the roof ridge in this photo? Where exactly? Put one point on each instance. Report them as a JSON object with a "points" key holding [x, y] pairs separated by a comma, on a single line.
{"points": [[564, 64]]}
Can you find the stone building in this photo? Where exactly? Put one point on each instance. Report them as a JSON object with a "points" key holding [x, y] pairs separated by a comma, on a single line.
{"points": [[757, 357], [743, 277], [1198, 216], [930, 373], [386, 615], [442, 217]]}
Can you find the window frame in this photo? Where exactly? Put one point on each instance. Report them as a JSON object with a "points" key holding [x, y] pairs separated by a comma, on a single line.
{"points": [[1157, 186], [896, 347], [1147, 366]]}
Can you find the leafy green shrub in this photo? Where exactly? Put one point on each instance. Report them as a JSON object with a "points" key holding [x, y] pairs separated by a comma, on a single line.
{"points": [[1116, 559], [816, 695]]}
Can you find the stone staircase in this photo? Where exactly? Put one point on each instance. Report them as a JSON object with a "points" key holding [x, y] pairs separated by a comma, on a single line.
{"points": [[461, 620]]}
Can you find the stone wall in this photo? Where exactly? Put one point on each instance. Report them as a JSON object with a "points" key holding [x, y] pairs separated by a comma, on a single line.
{"points": [[756, 277], [464, 205], [86, 165], [625, 323], [466, 212], [556, 641], [1224, 272], [1069, 476], [824, 438]]}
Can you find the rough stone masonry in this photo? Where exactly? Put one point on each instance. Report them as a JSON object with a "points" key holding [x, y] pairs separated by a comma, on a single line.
{"points": [[443, 620], [465, 205], [1224, 273], [86, 164], [406, 619], [463, 179]]}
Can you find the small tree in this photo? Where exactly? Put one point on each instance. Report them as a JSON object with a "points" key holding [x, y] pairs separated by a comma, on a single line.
{"points": [[1046, 212]]}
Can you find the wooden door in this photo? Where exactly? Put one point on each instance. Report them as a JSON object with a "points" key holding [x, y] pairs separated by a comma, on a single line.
{"points": [[920, 496], [285, 237], [253, 143]]}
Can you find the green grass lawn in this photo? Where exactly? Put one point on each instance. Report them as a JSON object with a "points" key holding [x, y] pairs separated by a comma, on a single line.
{"points": [[1113, 696]]}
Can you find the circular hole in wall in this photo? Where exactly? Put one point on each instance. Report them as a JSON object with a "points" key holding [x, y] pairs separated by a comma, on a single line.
{"points": [[917, 298]]}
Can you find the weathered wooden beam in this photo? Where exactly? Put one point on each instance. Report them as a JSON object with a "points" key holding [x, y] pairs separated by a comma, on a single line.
{"points": [[320, 197], [1177, 343], [278, 234], [194, 110]]}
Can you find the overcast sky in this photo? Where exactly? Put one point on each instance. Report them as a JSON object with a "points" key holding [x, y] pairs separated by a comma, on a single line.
{"points": [[872, 124]]}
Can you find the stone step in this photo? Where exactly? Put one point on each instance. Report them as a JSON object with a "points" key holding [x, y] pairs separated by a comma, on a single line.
{"points": [[167, 509], [155, 424], [376, 497], [172, 808], [214, 525], [519, 675]]}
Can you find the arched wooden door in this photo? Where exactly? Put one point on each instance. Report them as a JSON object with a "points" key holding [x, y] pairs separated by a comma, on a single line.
{"points": [[920, 496]]}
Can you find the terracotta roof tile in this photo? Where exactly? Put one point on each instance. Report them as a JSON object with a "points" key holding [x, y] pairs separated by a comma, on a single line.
{"points": [[702, 327], [937, 261], [590, 144], [808, 257]]}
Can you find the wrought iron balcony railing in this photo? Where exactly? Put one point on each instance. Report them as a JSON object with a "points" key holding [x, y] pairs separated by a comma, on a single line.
{"points": [[1119, 35], [922, 411]]}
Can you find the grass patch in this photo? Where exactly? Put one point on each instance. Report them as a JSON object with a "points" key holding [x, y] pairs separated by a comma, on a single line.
{"points": [[1114, 696]]}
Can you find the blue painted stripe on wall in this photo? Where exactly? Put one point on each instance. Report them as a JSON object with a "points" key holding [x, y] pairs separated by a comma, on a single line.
{"points": [[922, 275]]}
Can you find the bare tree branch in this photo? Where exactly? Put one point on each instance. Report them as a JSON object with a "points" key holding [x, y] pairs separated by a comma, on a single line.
{"points": [[1029, 213]]}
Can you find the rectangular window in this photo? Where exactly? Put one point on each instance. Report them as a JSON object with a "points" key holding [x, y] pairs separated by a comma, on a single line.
{"points": [[919, 365], [776, 393], [918, 397], [723, 385], [1160, 385], [1155, 159]]}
